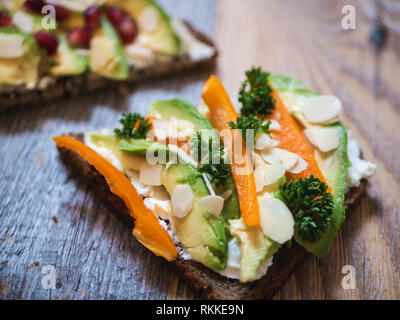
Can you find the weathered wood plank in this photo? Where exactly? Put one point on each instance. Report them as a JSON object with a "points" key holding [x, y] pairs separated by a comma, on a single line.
{"points": [[94, 254], [304, 39]]}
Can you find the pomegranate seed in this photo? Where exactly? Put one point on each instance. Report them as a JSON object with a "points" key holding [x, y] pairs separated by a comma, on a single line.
{"points": [[47, 41], [79, 37], [5, 19], [115, 16], [34, 6], [127, 30], [62, 13], [92, 17]]}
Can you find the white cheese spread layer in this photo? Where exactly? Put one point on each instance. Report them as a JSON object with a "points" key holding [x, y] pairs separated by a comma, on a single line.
{"points": [[359, 169]]}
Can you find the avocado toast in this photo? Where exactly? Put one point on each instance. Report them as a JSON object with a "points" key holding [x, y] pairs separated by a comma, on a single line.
{"points": [[235, 222], [91, 45]]}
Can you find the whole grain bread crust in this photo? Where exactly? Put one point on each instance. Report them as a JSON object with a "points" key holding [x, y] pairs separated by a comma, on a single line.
{"points": [[209, 284], [51, 88]]}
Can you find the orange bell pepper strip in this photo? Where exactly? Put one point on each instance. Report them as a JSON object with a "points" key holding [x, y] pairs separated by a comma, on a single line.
{"points": [[292, 139], [147, 229], [222, 111]]}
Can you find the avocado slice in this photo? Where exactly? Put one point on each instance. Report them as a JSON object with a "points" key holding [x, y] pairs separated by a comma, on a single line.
{"points": [[141, 146], [202, 234], [68, 61], [107, 56], [255, 248], [25, 69], [162, 38], [112, 144], [294, 94], [184, 110]]}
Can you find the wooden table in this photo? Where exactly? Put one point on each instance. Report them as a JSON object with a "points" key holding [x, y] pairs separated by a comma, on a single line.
{"points": [[50, 221]]}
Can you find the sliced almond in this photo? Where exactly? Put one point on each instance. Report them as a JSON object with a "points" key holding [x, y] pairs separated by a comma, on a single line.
{"points": [[258, 160], [181, 200], [11, 46], [276, 220], [272, 174], [324, 138], [23, 21], [274, 126], [281, 158], [212, 204], [289, 160], [148, 19], [259, 178], [266, 175], [322, 109], [150, 174], [263, 141]]}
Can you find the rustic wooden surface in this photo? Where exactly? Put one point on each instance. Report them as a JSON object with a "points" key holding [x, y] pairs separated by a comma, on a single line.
{"points": [[94, 254]]}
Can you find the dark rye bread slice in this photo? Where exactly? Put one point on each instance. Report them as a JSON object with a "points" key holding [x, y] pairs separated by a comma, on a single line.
{"points": [[208, 283], [50, 88]]}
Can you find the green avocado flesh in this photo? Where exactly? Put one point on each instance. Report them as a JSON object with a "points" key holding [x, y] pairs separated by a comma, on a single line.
{"points": [[117, 68], [162, 38], [334, 164], [255, 248], [183, 110], [202, 234], [68, 61]]}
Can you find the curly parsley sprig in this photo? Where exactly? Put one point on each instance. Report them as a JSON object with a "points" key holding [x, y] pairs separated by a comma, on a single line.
{"points": [[210, 155], [310, 204], [251, 122], [133, 126], [256, 94]]}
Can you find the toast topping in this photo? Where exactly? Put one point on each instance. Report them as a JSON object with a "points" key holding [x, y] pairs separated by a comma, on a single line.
{"points": [[290, 161], [324, 138], [23, 21], [11, 46], [322, 109], [181, 200], [212, 204], [276, 220]]}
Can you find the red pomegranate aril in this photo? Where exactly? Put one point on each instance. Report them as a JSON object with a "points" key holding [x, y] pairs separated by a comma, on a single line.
{"points": [[127, 30], [79, 37], [5, 19], [62, 13], [47, 41], [92, 17], [34, 6], [115, 16]]}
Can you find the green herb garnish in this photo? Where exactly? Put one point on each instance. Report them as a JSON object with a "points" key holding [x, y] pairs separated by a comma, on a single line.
{"points": [[255, 94], [133, 126], [251, 122], [210, 155], [310, 204]]}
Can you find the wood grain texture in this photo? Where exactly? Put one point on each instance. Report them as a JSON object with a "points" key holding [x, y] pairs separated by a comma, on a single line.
{"points": [[305, 40], [94, 254]]}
